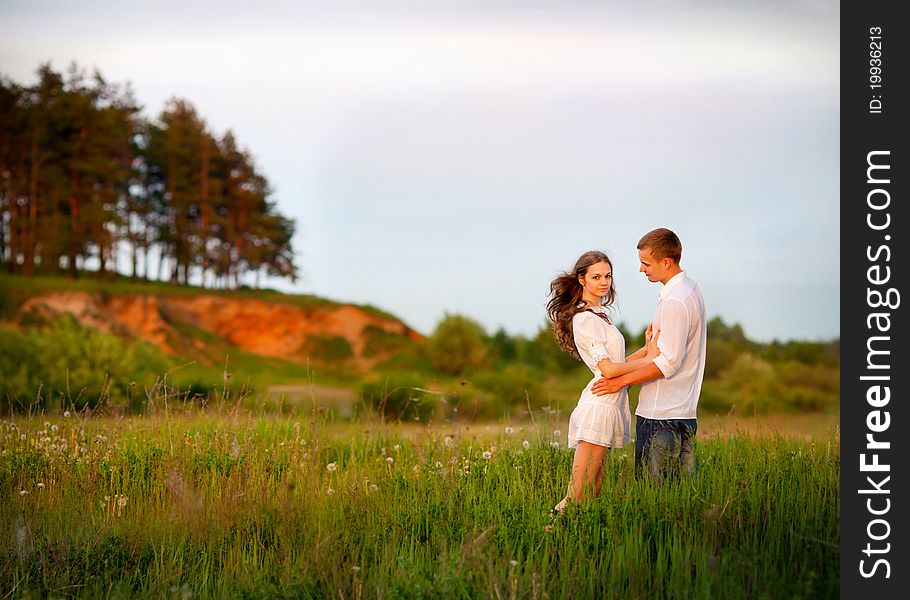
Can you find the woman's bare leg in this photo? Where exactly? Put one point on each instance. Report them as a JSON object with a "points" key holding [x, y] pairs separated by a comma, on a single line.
{"points": [[586, 473]]}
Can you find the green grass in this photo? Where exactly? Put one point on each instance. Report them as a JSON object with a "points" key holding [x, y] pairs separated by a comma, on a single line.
{"points": [[238, 505]]}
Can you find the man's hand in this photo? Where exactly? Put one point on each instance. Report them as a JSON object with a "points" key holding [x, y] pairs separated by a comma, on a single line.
{"points": [[605, 385]]}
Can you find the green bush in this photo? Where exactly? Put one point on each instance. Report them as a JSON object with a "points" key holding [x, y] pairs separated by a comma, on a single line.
{"points": [[379, 342], [414, 360], [513, 385], [329, 350], [70, 366], [401, 396], [457, 345]]}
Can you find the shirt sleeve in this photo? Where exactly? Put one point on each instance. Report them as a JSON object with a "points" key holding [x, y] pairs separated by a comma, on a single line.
{"points": [[674, 329], [590, 333]]}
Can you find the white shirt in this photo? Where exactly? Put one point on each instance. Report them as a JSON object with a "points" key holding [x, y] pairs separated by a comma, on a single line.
{"points": [[680, 317], [597, 339]]}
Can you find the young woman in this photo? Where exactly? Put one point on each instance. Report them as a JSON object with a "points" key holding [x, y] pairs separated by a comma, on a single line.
{"points": [[578, 307]]}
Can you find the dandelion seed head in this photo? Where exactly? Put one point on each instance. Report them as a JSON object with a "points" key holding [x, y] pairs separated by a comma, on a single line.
{"points": [[23, 492], [526, 444], [487, 454], [509, 430], [389, 459], [556, 433], [438, 465], [449, 441], [513, 563], [554, 444], [332, 467], [66, 414], [397, 447], [40, 485]]}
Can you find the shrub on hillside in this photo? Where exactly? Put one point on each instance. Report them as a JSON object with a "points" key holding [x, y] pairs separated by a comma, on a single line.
{"points": [[457, 345], [69, 366], [379, 342], [328, 350]]}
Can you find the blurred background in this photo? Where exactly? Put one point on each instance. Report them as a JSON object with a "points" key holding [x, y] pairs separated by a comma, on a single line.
{"points": [[360, 205]]}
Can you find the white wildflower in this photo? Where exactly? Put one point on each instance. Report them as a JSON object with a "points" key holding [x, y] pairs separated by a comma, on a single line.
{"points": [[54, 428], [22, 437], [554, 444], [66, 414], [438, 465], [556, 433], [513, 563], [40, 485], [332, 467], [329, 492], [397, 447], [509, 430], [389, 459], [487, 454], [23, 492], [449, 441], [526, 444]]}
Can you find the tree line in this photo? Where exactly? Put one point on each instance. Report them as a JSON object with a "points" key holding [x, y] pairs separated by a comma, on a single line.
{"points": [[85, 178]]}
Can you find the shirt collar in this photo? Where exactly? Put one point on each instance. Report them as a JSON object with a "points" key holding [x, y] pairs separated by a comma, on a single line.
{"points": [[672, 283]]}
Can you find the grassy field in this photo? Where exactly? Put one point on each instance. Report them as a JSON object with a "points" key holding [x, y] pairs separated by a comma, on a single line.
{"points": [[239, 505]]}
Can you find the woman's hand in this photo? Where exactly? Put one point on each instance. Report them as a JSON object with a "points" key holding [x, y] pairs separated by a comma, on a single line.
{"points": [[653, 350]]}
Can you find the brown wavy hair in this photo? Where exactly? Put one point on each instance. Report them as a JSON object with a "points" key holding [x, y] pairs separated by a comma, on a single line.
{"points": [[565, 299]]}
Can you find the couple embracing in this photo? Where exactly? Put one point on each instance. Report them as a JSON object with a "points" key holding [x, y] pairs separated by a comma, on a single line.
{"points": [[670, 367]]}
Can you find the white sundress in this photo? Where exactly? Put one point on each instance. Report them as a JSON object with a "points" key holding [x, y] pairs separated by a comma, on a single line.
{"points": [[602, 420]]}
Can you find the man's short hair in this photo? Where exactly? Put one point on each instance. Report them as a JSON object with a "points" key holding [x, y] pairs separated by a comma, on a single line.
{"points": [[662, 243]]}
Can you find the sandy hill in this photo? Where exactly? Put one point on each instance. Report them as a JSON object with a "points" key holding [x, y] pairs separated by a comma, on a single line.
{"points": [[185, 324]]}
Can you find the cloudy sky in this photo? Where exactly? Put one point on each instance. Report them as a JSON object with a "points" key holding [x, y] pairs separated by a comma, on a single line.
{"points": [[454, 156]]}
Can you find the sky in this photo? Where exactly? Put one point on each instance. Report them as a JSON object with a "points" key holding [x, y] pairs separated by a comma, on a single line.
{"points": [[454, 156]]}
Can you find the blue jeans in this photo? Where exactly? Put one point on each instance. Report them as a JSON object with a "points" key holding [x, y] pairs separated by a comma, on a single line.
{"points": [[665, 448]]}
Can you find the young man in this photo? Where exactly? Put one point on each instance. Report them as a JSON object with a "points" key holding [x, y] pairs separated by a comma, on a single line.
{"points": [[665, 418]]}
